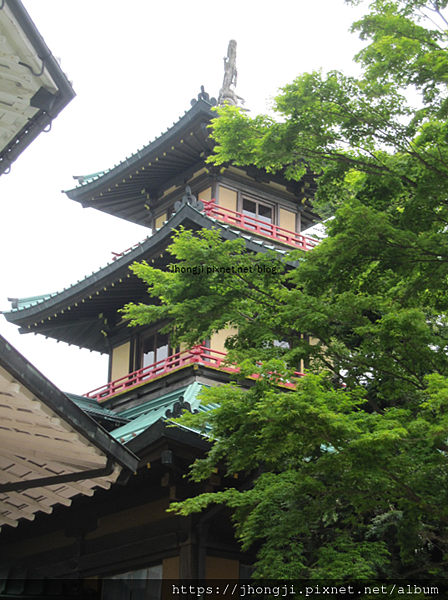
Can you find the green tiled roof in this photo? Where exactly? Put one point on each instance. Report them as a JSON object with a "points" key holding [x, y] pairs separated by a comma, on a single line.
{"points": [[141, 154], [95, 410], [147, 414], [88, 178], [19, 303]]}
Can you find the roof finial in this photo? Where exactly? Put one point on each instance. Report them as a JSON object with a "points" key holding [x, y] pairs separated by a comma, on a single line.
{"points": [[188, 198], [227, 95], [203, 96]]}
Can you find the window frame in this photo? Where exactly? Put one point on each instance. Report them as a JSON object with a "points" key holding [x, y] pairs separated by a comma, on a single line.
{"points": [[273, 207], [143, 338]]}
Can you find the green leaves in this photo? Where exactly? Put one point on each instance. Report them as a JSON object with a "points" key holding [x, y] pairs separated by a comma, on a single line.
{"points": [[349, 469], [341, 491], [407, 46]]}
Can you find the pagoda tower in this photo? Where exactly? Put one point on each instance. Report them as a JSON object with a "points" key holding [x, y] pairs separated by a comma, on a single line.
{"points": [[165, 185]]}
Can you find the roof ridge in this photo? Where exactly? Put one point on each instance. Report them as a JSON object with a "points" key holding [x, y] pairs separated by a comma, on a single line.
{"points": [[100, 174]]}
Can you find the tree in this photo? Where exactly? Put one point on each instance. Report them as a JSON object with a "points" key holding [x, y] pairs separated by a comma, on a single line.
{"points": [[352, 465]]}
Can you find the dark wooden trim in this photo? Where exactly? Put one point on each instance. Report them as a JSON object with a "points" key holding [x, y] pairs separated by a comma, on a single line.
{"points": [[132, 353], [109, 368], [215, 189], [27, 484]]}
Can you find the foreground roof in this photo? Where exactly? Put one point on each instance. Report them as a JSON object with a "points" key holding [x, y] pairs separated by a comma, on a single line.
{"points": [[102, 415], [33, 88], [50, 449]]}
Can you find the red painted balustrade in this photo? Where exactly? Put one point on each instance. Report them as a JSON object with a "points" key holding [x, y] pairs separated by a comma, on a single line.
{"points": [[198, 354], [258, 227]]}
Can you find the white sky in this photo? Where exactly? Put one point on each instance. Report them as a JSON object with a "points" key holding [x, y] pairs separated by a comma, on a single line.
{"points": [[135, 66]]}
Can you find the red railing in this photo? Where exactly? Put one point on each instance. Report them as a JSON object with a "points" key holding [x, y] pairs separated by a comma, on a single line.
{"points": [[198, 354], [257, 226]]}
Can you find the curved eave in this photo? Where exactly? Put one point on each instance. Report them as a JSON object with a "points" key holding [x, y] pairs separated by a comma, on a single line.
{"points": [[125, 189], [165, 430], [81, 315], [22, 371]]}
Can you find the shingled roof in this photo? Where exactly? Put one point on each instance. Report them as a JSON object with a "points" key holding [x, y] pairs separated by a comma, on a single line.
{"points": [[50, 449]]}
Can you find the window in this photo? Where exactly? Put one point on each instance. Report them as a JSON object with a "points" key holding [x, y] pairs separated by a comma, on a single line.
{"points": [[257, 210], [155, 347], [135, 585]]}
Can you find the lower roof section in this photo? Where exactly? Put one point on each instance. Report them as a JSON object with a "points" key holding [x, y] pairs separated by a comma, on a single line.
{"points": [[166, 407], [50, 449]]}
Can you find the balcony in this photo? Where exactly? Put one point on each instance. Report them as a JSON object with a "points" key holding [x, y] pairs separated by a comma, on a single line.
{"points": [[197, 355], [258, 227]]}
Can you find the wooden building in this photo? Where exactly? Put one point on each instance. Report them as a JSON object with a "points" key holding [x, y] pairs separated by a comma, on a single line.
{"points": [[125, 532], [33, 88]]}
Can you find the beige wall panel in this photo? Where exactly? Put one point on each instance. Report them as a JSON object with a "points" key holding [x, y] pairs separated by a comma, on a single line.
{"points": [[221, 568], [227, 198], [287, 219], [218, 339], [205, 194], [183, 347], [120, 361], [171, 568], [160, 221]]}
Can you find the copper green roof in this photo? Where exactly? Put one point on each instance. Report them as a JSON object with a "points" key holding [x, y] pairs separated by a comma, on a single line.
{"points": [[96, 410], [133, 189], [21, 303], [159, 409], [82, 179]]}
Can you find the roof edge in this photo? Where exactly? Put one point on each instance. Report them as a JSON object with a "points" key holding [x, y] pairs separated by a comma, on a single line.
{"points": [[66, 92], [129, 163], [186, 212], [27, 375]]}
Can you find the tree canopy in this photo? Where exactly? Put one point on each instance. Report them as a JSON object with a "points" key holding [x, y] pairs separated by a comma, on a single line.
{"points": [[352, 465]]}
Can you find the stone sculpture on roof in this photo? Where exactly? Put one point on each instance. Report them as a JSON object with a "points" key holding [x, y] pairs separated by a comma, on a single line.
{"points": [[226, 94]]}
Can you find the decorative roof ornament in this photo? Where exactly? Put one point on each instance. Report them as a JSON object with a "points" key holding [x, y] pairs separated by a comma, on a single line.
{"points": [[188, 198], [226, 94], [178, 408], [203, 96]]}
